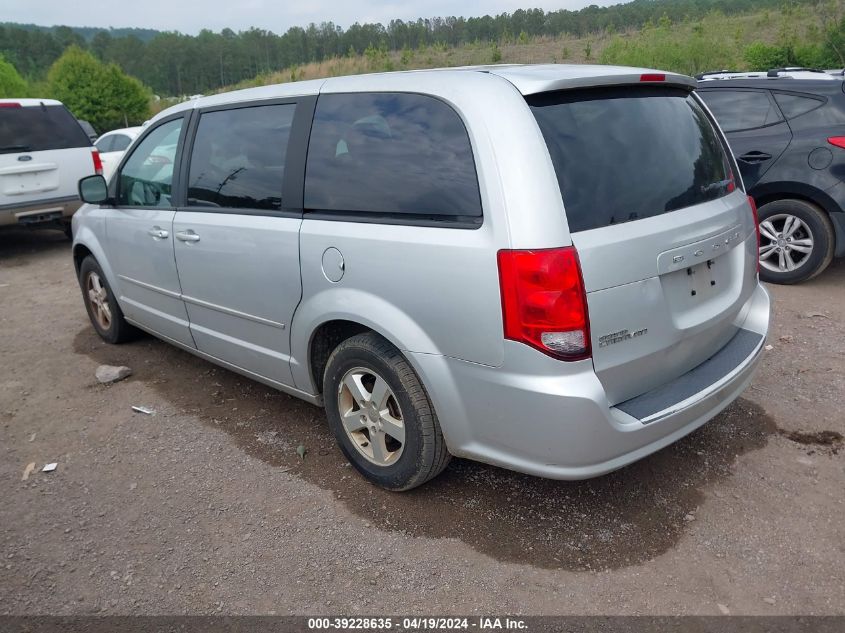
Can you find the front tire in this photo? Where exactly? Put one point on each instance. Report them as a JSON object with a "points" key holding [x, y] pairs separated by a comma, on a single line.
{"points": [[103, 309], [796, 241], [381, 415]]}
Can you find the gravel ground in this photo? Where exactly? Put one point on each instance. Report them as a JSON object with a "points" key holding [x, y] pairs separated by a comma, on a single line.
{"points": [[206, 508]]}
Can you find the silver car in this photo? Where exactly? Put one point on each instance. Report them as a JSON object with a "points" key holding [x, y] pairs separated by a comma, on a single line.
{"points": [[548, 268]]}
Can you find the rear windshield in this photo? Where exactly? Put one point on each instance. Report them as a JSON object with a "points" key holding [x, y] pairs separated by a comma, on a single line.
{"points": [[629, 153], [38, 128]]}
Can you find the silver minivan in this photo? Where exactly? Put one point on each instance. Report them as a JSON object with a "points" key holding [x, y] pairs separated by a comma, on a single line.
{"points": [[550, 268]]}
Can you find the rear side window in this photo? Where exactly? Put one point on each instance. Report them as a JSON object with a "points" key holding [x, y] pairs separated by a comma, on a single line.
{"points": [[389, 153], [796, 105], [104, 145], [120, 142], [238, 159], [741, 109], [39, 128], [624, 154]]}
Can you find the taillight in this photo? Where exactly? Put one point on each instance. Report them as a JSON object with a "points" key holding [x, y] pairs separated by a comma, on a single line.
{"points": [[756, 227], [838, 141], [98, 163], [543, 301], [653, 77], [10, 104]]}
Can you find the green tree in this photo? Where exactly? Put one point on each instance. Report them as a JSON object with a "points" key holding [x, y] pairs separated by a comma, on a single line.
{"points": [[761, 56], [495, 54], [99, 93], [11, 83]]}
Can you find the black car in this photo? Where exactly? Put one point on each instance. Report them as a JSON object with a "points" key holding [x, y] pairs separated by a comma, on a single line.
{"points": [[787, 132]]}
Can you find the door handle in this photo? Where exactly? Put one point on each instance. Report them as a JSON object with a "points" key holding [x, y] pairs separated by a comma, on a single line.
{"points": [[755, 157], [158, 233], [187, 236]]}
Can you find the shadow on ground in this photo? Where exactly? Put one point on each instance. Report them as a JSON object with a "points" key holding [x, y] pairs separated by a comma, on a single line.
{"points": [[624, 518], [16, 242]]}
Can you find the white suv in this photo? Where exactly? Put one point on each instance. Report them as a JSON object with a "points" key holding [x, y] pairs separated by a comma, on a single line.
{"points": [[43, 154]]}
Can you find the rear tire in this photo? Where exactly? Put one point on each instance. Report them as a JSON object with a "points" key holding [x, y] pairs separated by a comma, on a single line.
{"points": [[381, 415], [103, 309], [796, 241]]}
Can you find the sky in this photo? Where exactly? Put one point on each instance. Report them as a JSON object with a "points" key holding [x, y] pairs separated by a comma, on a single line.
{"points": [[190, 16]]}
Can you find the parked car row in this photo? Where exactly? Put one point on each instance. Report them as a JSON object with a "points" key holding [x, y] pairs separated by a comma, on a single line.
{"points": [[559, 285], [44, 151]]}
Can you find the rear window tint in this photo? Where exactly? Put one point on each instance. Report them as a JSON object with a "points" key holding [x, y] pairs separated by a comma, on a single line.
{"points": [[390, 153], [795, 105], [39, 128], [624, 154], [741, 109]]}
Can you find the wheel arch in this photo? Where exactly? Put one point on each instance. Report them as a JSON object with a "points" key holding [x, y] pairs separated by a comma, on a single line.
{"points": [[771, 192], [85, 244], [325, 338], [325, 320]]}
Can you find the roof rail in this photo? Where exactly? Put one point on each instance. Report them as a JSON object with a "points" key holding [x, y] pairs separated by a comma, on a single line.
{"points": [[714, 72], [774, 72], [790, 72]]}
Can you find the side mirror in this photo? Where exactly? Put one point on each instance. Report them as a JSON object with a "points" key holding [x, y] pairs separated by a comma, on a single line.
{"points": [[93, 189]]}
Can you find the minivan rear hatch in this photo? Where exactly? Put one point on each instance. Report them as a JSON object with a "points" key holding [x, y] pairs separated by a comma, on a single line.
{"points": [[664, 235]]}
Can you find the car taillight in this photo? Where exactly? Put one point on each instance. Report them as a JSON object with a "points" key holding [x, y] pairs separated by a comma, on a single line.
{"points": [[731, 181], [756, 227], [653, 77], [10, 104], [98, 163], [543, 301], [838, 141]]}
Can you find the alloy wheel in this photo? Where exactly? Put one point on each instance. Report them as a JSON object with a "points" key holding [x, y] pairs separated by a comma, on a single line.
{"points": [[786, 243], [371, 416], [98, 298]]}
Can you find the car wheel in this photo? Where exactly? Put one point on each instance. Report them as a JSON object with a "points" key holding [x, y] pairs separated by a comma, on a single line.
{"points": [[103, 310], [796, 241], [381, 415]]}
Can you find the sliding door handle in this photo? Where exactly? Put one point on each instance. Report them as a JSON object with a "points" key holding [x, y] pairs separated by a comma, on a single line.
{"points": [[187, 236]]}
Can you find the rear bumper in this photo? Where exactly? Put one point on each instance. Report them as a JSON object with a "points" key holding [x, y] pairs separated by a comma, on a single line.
{"points": [[52, 211], [542, 417]]}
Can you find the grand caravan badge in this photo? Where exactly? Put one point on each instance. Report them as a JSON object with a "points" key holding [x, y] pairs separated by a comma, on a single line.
{"points": [[618, 337]]}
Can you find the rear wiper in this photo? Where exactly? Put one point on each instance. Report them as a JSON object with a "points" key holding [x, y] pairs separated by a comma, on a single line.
{"points": [[9, 148]]}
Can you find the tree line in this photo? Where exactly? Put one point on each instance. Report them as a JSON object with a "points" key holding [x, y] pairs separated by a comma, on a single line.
{"points": [[173, 63]]}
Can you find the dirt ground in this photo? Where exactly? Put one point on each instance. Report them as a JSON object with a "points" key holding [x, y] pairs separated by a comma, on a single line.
{"points": [[206, 508]]}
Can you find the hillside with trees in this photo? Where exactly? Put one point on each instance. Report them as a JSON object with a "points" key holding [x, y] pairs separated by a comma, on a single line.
{"points": [[108, 76], [172, 63]]}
